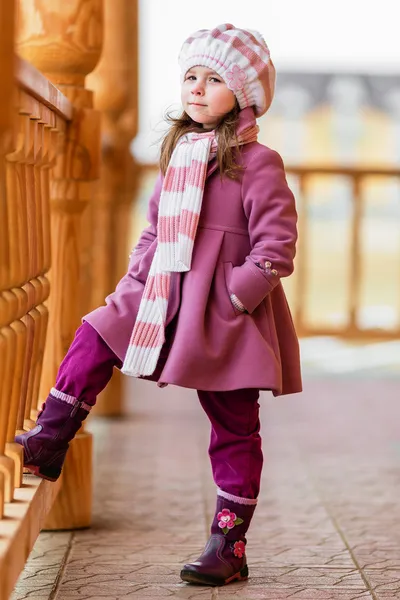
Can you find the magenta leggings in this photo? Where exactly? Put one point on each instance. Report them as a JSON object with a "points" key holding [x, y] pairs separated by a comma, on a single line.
{"points": [[235, 443], [87, 367]]}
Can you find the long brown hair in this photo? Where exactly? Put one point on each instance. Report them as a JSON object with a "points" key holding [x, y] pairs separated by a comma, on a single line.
{"points": [[225, 130]]}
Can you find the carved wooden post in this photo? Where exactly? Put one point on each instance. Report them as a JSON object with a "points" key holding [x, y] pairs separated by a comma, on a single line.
{"points": [[63, 40], [115, 84]]}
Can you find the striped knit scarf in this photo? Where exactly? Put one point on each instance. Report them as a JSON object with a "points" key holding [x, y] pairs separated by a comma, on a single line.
{"points": [[178, 217]]}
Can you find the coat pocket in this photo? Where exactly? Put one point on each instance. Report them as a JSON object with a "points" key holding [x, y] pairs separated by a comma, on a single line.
{"points": [[228, 267]]}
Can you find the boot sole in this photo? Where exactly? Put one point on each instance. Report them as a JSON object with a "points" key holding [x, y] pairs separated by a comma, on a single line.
{"points": [[204, 579], [42, 473]]}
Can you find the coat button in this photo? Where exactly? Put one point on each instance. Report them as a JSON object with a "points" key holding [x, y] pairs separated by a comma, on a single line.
{"points": [[274, 272], [268, 265]]}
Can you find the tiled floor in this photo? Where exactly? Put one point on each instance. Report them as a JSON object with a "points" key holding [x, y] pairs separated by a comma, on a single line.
{"points": [[328, 521]]}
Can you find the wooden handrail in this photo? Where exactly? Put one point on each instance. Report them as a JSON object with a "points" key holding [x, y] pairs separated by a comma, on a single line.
{"points": [[346, 170], [318, 169], [32, 81]]}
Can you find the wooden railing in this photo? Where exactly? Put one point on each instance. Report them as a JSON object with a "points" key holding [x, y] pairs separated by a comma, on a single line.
{"points": [[42, 118], [351, 326], [67, 181], [49, 156]]}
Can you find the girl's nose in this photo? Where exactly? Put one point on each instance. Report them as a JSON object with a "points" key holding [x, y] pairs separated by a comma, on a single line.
{"points": [[198, 89]]}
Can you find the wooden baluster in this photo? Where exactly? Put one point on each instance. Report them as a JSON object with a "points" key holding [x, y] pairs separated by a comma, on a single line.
{"points": [[38, 288], [15, 305], [7, 305], [3, 349], [22, 266], [40, 284], [14, 333], [63, 40], [51, 136], [302, 258], [355, 258], [115, 84], [30, 318], [9, 346], [17, 298]]}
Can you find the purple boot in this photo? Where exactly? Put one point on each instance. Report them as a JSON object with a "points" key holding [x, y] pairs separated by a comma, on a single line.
{"points": [[223, 559], [84, 372], [46, 445]]}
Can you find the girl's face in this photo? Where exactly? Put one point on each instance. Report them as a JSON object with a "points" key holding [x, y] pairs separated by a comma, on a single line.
{"points": [[206, 97]]}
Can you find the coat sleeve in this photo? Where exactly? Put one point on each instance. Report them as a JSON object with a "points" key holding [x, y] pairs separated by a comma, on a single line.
{"points": [[269, 206], [149, 234]]}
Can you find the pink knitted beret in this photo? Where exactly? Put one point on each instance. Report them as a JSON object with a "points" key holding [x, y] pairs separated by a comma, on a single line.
{"points": [[240, 57]]}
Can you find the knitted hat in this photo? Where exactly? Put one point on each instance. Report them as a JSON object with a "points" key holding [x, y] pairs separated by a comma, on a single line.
{"points": [[240, 57]]}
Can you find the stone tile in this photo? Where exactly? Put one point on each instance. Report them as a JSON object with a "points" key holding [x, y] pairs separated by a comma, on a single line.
{"points": [[150, 592], [329, 492], [387, 580], [120, 575], [128, 554], [34, 576], [298, 577], [309, 556], [248, 591], [43, 566], [134, 538], [34, 593], [377, 556]]}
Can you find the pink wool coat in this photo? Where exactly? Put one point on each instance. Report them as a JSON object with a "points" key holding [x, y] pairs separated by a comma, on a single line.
{"points": [[245, 243]]}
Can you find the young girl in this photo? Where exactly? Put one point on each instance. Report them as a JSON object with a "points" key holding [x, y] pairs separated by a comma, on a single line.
{"points": [[202, 305]]}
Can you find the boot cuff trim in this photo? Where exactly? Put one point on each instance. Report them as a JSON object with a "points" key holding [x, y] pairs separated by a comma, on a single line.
{"points": [[69, 399], [237, 499]]}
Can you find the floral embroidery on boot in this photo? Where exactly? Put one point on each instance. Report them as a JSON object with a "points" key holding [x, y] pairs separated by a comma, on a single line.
{"points": [[227, 520], [239, 548], [223, 559]]}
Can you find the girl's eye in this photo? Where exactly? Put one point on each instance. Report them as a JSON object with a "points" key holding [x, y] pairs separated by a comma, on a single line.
{"points": [[193, 78]]}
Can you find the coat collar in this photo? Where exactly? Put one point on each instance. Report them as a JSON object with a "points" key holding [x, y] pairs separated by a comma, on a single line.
{"points": [[212, 166], [246, 119]]}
